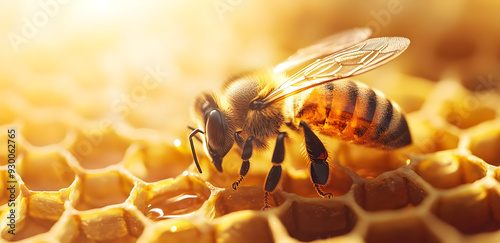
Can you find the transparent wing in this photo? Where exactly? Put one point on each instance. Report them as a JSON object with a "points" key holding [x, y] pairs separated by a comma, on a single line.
{"points": [[348, 62], [324, 47]]}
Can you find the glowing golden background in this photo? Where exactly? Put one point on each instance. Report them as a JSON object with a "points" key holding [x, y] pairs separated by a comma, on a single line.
{"points": [[101, 92]]}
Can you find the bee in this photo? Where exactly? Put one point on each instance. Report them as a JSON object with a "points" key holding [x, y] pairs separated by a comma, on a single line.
{"points": [[254, 108]]}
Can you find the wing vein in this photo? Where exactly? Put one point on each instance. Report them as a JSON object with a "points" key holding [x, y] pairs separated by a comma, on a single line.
{"points": [[352, 60]]}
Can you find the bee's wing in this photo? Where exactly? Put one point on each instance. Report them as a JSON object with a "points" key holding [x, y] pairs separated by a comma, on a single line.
{"points": [[324, 47], [348, 62]]}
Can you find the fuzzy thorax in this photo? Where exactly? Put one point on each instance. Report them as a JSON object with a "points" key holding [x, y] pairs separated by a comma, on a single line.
{"points": [[263, 123]]}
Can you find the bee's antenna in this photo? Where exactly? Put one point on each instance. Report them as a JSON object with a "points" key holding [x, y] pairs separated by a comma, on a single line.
{"points": [[195, 131], [192, 129]]}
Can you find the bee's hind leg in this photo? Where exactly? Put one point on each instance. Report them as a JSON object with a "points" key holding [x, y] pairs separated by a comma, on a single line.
{"points": [[274, 175], [245, 156], [320, 170]]}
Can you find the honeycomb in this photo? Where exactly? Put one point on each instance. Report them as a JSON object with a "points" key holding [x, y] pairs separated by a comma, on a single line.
{"points": [[96, 95]]}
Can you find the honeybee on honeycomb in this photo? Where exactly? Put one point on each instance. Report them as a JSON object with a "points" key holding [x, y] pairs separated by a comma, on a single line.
{"points": [[316, 98], [88, 172]]}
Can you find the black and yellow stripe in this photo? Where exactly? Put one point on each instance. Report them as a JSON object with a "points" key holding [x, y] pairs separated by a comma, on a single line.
{"points": [[354, 112]]}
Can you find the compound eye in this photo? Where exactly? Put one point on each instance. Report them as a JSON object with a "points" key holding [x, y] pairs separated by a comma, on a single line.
{"points": [[216, 129]]}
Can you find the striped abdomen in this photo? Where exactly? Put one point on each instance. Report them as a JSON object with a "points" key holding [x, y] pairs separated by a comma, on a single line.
{"points": [[353, 112]]}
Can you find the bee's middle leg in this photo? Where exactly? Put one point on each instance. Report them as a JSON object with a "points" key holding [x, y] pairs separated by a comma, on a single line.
{"points": [[320, 170], [274, 175], [245, 156]]}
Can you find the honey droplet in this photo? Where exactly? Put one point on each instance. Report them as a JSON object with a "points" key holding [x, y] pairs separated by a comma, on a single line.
{"points": [[183, 205]]}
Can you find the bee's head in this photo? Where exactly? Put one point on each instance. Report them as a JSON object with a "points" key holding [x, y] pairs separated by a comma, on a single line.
{"points": [[219, 133]]}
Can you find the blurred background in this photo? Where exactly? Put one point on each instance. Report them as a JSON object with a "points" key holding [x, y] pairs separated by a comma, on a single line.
{"points": [[142, 63], [113, 82]]}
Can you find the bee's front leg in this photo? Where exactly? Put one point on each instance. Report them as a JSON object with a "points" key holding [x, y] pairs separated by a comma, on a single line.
{"points": [[245, 156], [238, 139], [320, 170], [274, 175]]}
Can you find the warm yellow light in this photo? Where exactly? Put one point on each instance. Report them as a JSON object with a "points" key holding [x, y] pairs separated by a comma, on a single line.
{"points": [[173, 229], [177, 143]]}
